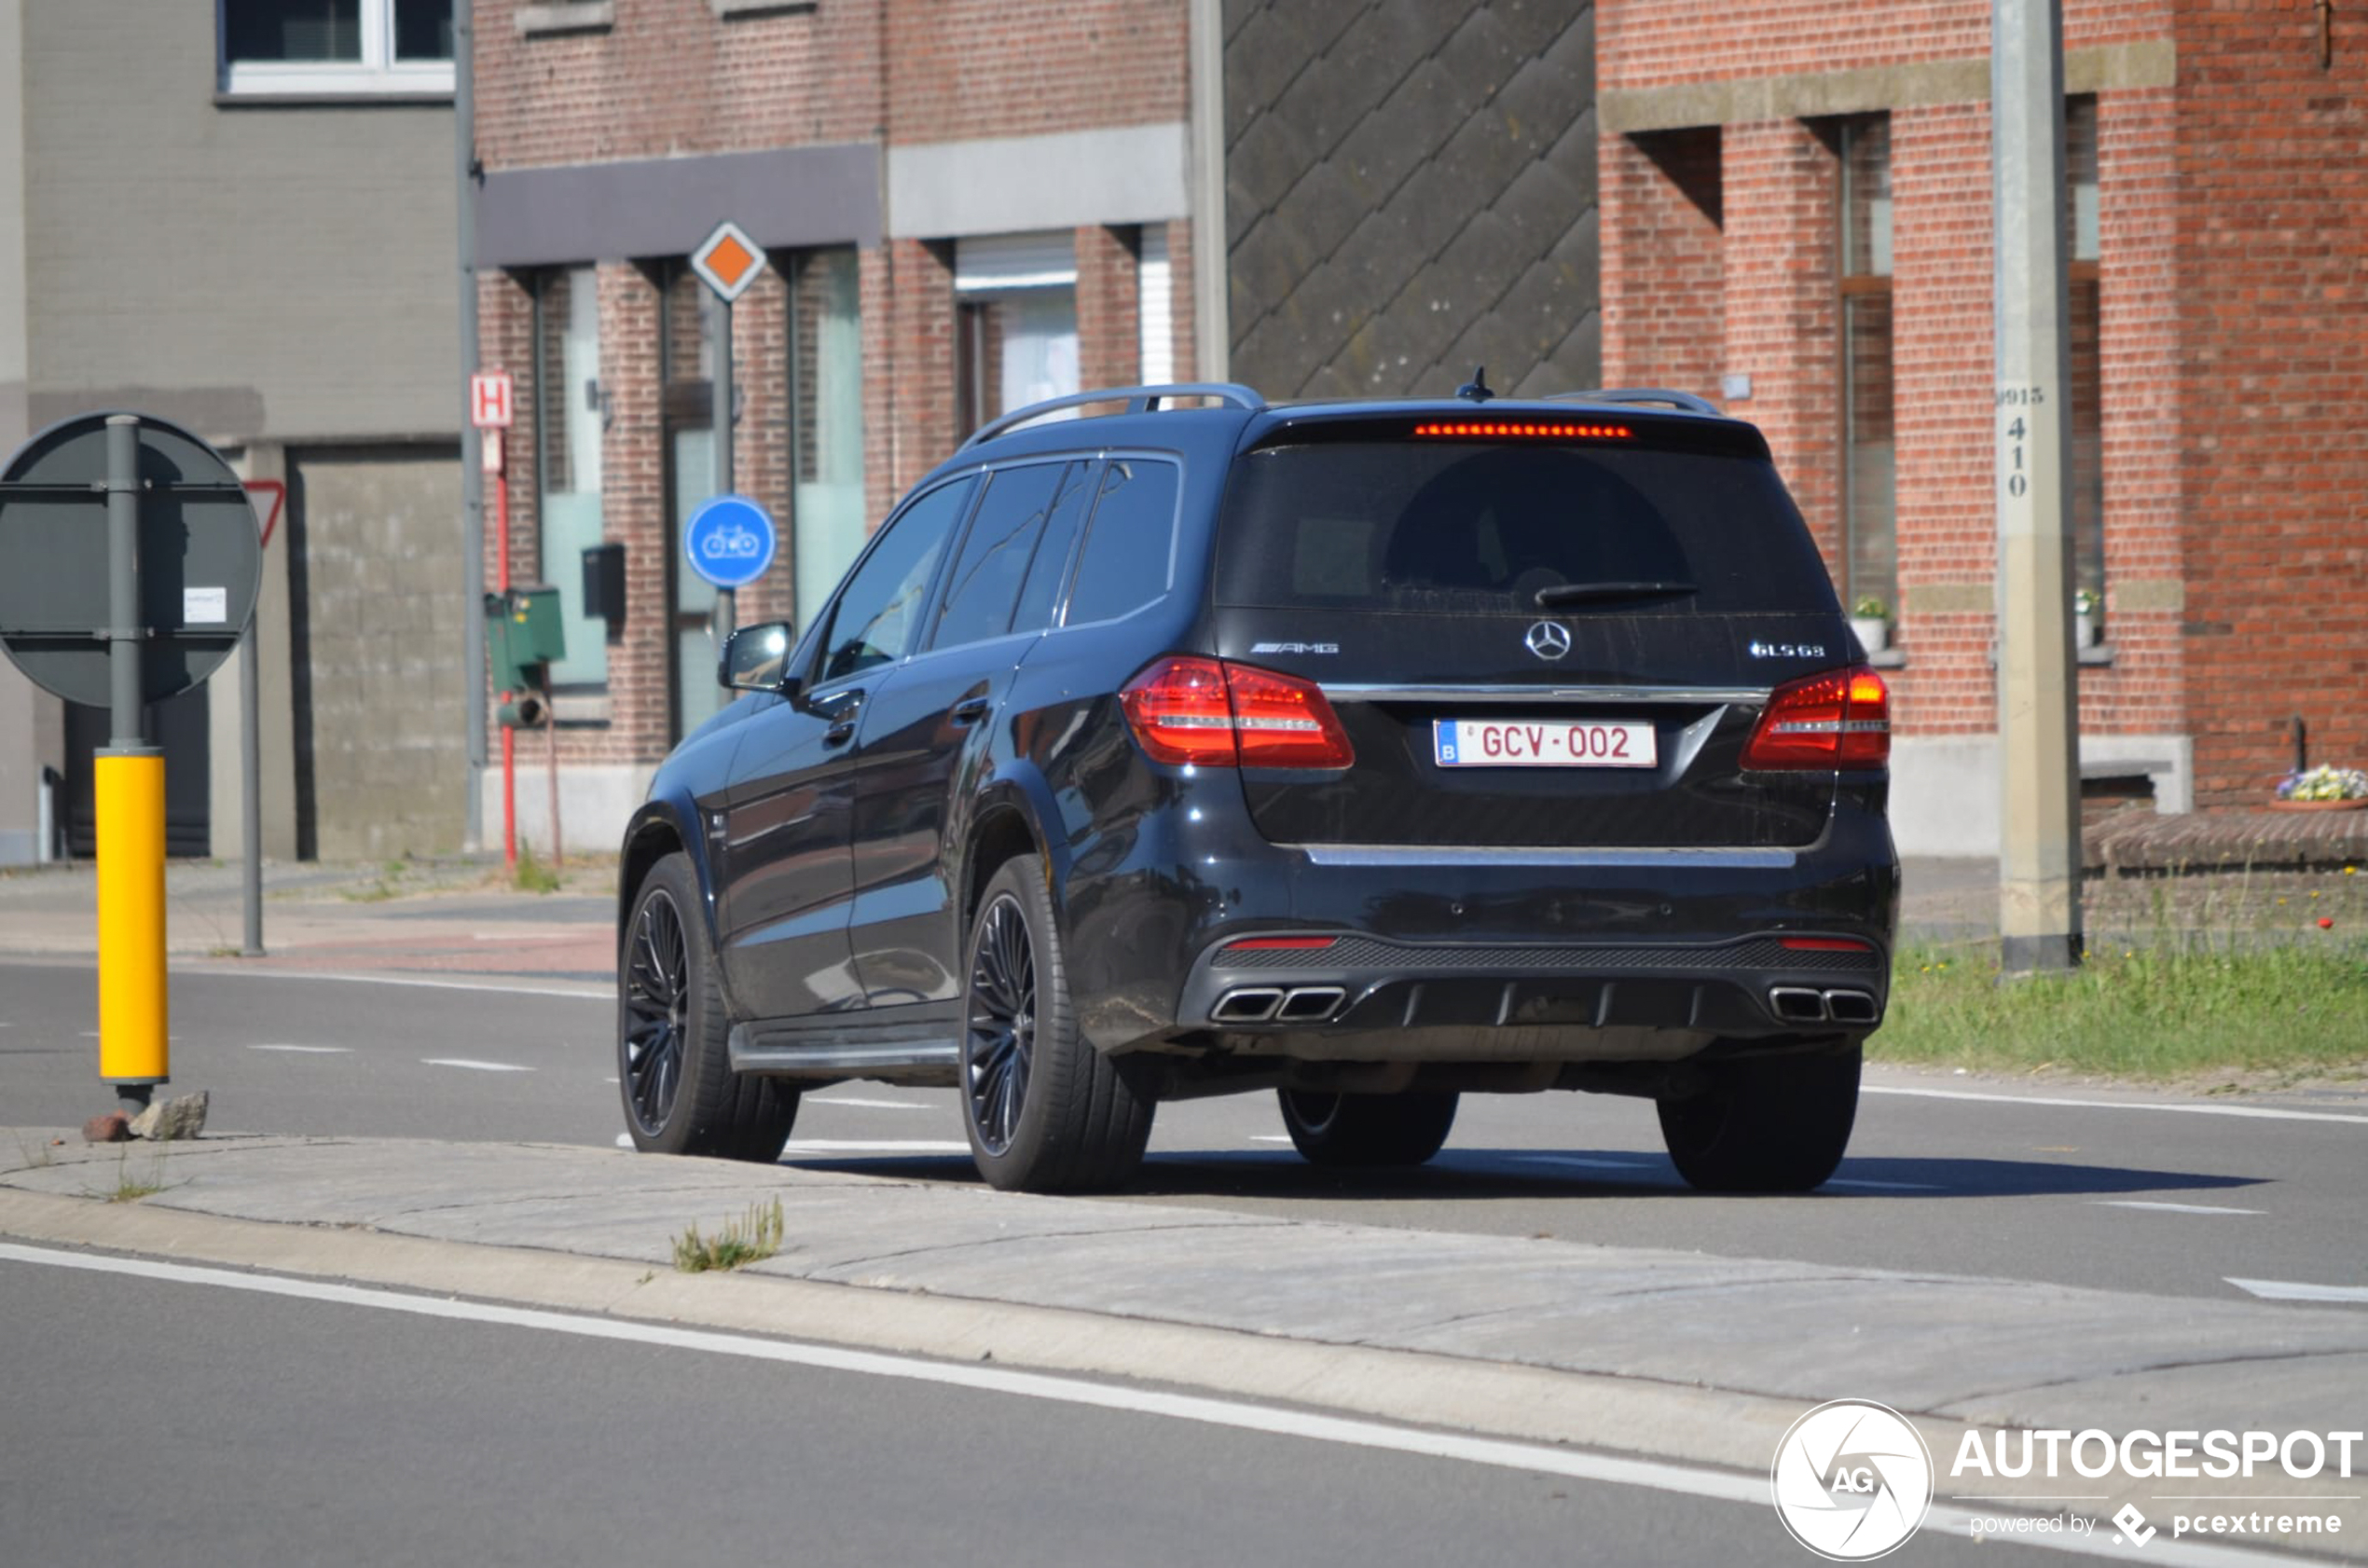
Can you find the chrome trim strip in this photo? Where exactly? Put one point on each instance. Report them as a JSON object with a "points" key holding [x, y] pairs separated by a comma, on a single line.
{"points": [[1418, 856], [1747, 696]]}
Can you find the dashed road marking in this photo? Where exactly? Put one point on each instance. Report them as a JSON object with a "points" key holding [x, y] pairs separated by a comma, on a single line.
{"points": [[806, 1146], [866, 1105], [308, 1050], [2171, 1208], [474, 1065], [625, 1140], [2294, 1291]]}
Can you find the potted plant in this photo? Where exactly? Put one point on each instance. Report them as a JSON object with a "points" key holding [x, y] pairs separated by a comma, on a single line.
{"points": [[1871, 618], [2087, 605], [2322, 789]]}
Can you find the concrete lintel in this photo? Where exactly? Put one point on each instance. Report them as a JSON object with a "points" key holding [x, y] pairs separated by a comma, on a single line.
{"points": [[566, 15], [1009, 184], [2151, 62], [664, 206]]}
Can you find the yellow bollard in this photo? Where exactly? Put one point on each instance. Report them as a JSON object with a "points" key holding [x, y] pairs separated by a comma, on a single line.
{"points": [[129, 790]]}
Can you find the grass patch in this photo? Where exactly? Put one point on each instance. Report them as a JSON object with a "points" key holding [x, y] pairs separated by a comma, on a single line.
{"points": [[2158, 1012], [129, 1188], [753, 1238], [532, 875]]}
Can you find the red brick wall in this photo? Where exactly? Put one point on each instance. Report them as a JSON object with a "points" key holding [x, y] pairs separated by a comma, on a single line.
{"points": [[669, 79], [2233, 229], [2272, 226], [1664, 267]]}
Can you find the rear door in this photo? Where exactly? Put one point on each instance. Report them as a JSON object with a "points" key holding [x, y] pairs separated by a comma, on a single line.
{"points": [[931, 718], [1538, 630]]}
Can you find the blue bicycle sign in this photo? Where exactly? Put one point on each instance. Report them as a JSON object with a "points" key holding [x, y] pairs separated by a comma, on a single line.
{"points": [[729, 541]]}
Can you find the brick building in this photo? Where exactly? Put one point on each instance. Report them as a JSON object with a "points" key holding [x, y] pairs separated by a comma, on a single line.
{"points": [[965, 206], [1796, 220]]}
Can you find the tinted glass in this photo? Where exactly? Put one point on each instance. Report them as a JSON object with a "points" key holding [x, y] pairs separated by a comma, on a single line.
{"points": [[308, 29], [877, 618], [1454, 526], [1042, 594], [986, 578], [1124, 563]]}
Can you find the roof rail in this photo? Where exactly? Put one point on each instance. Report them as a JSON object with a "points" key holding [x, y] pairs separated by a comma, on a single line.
{"points": [[1683, 400], [1138, 400]]}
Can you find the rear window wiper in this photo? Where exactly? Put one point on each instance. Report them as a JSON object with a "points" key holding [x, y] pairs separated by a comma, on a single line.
{"points": [[1586, 593]]}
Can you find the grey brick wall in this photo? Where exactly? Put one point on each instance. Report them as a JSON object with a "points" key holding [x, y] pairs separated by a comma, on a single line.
{"points": [[1410, 193]]}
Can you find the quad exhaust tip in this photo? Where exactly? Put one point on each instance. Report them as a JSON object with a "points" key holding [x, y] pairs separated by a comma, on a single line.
{"points": [[1260, 1004], [1799, 1004]]}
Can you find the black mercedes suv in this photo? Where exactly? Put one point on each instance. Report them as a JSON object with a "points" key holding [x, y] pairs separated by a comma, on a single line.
{"points": [[1372, 752]]}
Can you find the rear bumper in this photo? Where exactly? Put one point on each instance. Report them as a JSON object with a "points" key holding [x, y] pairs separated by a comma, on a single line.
{"points": [[1489, 955]]}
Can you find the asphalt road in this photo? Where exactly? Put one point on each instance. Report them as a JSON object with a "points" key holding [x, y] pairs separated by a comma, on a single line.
{"points": [[2111, 1192], [266, 1431]]}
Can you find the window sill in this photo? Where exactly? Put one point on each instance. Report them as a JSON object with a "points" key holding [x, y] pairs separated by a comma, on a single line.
{"points": [[731, 11], [1889, 658], [566, 15], [2102, 654], [404, 99]]}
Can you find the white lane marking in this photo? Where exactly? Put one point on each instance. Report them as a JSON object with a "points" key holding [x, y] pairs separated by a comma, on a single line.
{"points": [[1584, 1162], [2169, 1208], [474, 1065], [308, 1050], [1238, 1415], [2291, 1290], [1884, 1185], [1270, 1138], [866, 1104], [2263, 1112], [625, 1140], [871, 1146], [608, 1080], [587, 991]]}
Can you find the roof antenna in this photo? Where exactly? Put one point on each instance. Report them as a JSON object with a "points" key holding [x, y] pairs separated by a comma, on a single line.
{"points": [[1477, 388]]}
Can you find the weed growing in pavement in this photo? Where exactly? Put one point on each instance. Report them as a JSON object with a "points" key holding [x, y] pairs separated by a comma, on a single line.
{"points": [[753, 1238], [130, 1188], [36, 1155], [534, 877]]}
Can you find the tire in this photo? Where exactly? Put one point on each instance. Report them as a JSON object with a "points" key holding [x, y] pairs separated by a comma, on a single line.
{"points": [[1368, 1131], [673, 1059], [1044, 1110], [1773, 1124]]}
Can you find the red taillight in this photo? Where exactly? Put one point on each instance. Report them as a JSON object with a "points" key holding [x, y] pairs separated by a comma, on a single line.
{"points": [[1279, 945], [1218, 715], [1839, 720], [1825, 944]]}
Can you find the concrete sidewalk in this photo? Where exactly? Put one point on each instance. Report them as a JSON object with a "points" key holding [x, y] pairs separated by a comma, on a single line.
{"points": [[1671, 1354]]}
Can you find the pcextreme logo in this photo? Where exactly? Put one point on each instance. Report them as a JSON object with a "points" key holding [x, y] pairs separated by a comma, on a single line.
{"points": [[1852, 1480]]}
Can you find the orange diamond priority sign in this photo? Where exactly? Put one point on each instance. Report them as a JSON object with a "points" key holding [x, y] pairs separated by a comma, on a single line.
{"points": [[729, 260]]}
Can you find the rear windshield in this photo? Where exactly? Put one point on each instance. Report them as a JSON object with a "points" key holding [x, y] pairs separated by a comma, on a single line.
{"points": [[1456, 526]]}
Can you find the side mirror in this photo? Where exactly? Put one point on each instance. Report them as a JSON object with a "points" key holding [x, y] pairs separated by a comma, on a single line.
{"points": [[756, 658]]}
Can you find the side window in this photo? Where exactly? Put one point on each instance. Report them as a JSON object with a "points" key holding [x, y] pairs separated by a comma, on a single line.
{"points": [[1124, 564], [986, 577], [878, 616], [1040, 595]]}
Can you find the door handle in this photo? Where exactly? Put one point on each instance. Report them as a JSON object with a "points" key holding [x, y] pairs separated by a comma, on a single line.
{"points": [[969, 710], [840, 733]]}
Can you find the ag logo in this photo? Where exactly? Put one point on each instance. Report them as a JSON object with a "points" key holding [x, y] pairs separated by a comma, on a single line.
{"points": [[1852, 1479], [1547, 640]]}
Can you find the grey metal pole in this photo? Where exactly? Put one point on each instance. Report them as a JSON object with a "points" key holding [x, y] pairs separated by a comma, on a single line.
{"points": [[251, 786], [2038, 705], [1212, 332], [464, 140], [724, 402], [123, 582]]}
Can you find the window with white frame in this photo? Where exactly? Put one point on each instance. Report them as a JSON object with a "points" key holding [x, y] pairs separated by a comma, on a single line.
{"points": [[310, 47]]}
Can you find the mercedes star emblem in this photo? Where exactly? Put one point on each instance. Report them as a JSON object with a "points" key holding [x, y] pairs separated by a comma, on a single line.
{"points": [[1548, 641]]}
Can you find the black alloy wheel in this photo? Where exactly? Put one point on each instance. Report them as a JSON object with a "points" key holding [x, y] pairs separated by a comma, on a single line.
{"points": [[656, 1000], [674, 1032], [1002, 1023]]}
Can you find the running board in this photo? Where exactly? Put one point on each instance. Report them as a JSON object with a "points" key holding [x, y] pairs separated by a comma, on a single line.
{"points": [[893, 1053]]}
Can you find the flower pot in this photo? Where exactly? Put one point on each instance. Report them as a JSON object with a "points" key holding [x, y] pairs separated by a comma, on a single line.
{"points": [[2319, 805], [2084, 629], [1874, 632]]}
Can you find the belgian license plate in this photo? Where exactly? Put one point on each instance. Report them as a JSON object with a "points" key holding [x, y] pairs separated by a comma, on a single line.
{"points": [[1542, 743]]}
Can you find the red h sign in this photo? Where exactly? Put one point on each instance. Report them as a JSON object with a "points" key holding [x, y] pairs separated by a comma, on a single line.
{"points": [[489, 400]]}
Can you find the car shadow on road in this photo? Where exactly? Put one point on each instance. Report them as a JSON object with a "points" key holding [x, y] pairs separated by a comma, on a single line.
{"points": [[1481, 1173]]}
